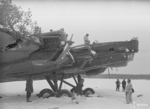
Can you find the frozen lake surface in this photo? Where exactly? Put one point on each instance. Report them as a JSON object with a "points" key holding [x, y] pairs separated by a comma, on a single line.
{"points": [[14, 96]]}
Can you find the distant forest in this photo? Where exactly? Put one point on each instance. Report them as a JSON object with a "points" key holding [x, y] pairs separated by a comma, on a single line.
{"points": [[119, 76]]}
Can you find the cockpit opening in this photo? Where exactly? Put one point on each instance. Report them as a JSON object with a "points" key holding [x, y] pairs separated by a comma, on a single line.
{"points": [[13, 46]]}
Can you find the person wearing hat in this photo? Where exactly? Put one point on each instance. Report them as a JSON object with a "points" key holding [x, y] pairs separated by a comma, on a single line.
{"points": [[128, 92], [29, 88]]}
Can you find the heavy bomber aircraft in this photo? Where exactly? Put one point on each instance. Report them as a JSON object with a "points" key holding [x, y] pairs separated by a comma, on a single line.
{"points": [[55, 60]]}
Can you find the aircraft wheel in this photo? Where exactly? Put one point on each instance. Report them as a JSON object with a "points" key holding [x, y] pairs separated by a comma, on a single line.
{"points": [[64, 93], [88, 91], [45, 93]]}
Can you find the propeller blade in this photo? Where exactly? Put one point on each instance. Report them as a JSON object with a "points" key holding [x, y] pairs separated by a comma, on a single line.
{"points": [[66, 48]]}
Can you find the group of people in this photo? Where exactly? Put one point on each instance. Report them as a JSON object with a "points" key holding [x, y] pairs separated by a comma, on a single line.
{"points": [[77, 93], [118, 85], [128, 89]]}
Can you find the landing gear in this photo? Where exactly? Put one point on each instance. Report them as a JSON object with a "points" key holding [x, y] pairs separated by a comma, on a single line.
{"points": [[88, 91], [45, 93], [64, 92], [57, 91]]}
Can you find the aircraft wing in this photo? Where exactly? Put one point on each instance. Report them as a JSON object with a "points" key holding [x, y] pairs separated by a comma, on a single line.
{"points": [[70, 60]]}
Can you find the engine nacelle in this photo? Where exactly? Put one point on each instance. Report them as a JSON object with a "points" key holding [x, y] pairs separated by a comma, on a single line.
{"points": [[53, 39]]}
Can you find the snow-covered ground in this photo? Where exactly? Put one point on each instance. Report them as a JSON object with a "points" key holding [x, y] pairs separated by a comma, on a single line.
{"points": [[14, 96]]}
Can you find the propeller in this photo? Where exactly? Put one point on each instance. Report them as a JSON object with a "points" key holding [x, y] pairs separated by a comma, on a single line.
{"points": [[61, 58], [66, 48]]}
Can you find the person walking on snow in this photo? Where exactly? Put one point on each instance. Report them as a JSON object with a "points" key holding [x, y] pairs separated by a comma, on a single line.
{"points": [[29, 88]]}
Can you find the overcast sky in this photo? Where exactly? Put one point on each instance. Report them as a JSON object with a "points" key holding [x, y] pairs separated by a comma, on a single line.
{"points": [[104, 20]]}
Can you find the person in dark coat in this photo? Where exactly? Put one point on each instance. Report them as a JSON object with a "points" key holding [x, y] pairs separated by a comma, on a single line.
{"points": [[29, 88], [79, 78], [123, 85], [78, 91], [117, 85]]}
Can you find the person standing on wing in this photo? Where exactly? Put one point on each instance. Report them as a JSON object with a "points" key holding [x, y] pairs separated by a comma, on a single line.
{"points": [[86, 39], [29, 88], [87, 43]]}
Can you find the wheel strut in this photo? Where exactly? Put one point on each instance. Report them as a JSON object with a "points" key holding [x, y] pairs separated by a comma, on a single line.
{"points": [[52, 81], [61, 83]]}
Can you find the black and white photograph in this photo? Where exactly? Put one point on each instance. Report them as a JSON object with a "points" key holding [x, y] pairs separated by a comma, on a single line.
{"points": [[74, 54]]}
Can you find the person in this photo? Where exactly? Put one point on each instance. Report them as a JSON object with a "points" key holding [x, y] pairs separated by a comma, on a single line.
{"points": [[86, 39], [29, 88], [123, 85], [117, 85], [78, 91], [129, 92]]}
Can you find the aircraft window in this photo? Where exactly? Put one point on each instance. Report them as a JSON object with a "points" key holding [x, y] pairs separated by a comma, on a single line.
{"points": [[111, 49], [85, 50]]}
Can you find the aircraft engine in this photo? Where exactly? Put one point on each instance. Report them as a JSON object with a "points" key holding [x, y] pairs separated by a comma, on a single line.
{"points": [[53, 39]]}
